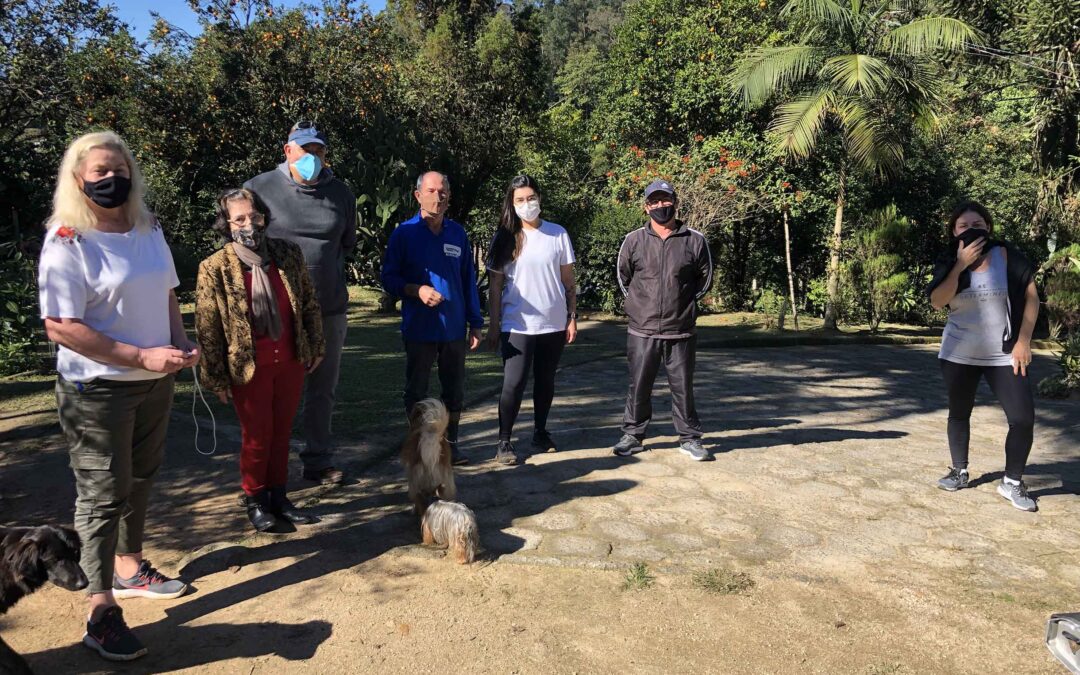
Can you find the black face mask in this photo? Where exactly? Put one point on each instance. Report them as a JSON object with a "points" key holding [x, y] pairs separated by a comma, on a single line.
{"points": [[969, 237], [663, 214], [108, 193]]}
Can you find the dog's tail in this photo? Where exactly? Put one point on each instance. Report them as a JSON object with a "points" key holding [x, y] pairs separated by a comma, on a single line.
{"points": [[465, 544]]}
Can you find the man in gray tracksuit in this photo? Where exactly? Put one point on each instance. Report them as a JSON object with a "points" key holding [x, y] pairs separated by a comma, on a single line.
{"points": [[664, 268], [312, 208]]}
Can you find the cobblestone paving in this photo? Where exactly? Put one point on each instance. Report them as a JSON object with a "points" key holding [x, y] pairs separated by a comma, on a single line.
{"points": [[825, 465]]}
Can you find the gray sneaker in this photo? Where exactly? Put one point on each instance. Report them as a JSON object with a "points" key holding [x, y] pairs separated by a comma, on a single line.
{"points": [[505, 453], [1018, 495], [956, 479], [627, 446], [695, 450], [148, 583]]}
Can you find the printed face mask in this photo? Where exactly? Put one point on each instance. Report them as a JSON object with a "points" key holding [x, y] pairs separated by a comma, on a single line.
{"points": [[663, 214], [308, 166], [528, 211], [248, 237], [108, 193]]}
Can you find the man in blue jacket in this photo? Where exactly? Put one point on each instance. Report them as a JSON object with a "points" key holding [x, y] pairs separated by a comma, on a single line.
{"points": [[429, 265]]}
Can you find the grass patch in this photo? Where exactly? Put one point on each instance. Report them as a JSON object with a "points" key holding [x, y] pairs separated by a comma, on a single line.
{"points": [[884, 669], [723, 581], [638, 577]]}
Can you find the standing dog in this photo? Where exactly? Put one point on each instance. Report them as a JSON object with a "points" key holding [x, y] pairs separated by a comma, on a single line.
{"points": [[426, 455], [451, 524], [30, 556]]}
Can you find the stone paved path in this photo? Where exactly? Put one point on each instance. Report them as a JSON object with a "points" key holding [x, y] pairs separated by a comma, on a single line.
{"points": [[825, 464]]}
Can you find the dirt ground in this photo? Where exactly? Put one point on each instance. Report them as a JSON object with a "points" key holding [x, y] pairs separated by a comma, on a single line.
{"points": [[357, 593]]}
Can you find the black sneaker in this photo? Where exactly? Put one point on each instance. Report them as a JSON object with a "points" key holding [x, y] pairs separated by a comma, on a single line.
{"points": [[457, 457], [505, 453], [111, 637], [627, 446], [542, 442]]}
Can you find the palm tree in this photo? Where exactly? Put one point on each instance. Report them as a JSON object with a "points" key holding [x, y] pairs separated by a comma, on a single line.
{"points": [[863, 68]]}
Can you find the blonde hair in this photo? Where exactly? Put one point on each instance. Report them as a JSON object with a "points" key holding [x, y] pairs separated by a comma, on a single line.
{"points": [[70, 204]]}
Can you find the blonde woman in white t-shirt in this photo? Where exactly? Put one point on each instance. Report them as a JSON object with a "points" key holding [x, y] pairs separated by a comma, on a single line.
{"points": [[533, 309], [106, 280]]}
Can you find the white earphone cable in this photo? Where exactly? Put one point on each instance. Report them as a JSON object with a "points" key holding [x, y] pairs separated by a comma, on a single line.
{"points": [[194, 397]]}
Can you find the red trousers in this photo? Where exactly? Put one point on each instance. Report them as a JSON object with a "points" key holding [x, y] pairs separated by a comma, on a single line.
{"points": [[266, 407]]}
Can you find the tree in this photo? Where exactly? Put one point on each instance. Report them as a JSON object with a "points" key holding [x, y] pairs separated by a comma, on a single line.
{"points": [[864, 72], [876, 270]]}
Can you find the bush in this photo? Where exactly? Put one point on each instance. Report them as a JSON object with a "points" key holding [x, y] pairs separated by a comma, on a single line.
{"points": [[597, 251], [875, 271]]}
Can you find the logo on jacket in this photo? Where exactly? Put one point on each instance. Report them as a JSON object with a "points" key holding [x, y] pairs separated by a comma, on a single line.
{"points": [[451, 250]]}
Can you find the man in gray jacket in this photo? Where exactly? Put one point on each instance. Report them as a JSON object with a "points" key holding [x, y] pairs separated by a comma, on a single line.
{"points": [[664, 268], [316, 211]]}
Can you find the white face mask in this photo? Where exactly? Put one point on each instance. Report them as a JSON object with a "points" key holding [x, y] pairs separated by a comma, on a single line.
{"points": [[528, 211]]}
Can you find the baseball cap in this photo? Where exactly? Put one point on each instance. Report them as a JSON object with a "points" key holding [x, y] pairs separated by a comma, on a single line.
{"points": [[304, 133], [659, 186]]}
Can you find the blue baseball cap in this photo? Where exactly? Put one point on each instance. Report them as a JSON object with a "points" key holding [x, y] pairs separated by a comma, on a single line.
{"points": [[659, 186], [305, 133]]}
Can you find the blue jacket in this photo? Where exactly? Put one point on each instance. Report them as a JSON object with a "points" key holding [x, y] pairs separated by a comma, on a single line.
{"points": [[444, 262]]}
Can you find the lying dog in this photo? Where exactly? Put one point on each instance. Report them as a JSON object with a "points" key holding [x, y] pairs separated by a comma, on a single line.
{"points": [[453, 525], [426, 455], [30, 556]]}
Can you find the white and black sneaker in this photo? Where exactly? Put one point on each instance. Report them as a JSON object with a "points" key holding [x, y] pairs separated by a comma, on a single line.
{"points": [[1017, 494], [111, 637], [695, 450], [627, 446], [954, 480]]}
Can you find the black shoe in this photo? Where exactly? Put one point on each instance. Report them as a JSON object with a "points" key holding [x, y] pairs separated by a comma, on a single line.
{"points": [[457, 457], [111, 637], [627, 446], [327, 476], [258, 511], [505, 454], [281, 507], [542, 442]]}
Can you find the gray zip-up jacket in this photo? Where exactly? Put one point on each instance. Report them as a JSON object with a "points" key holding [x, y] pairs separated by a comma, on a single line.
{"points": [[663, 279], [321, 220]]}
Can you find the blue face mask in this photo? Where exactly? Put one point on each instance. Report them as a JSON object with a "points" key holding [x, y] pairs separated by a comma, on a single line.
{"points": [[308, 166]]}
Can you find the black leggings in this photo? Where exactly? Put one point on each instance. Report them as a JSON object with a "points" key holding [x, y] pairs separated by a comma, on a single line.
{"points": [[1014, 394], [520, 353]]}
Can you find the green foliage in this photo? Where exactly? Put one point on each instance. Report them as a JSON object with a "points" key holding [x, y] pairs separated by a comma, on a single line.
{"points": [[638, 577], [722, 581], [597, 249], [875, 269]]}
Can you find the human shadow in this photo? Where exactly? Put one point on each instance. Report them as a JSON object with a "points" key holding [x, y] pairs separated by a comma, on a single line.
{"points": [[174, 648]]}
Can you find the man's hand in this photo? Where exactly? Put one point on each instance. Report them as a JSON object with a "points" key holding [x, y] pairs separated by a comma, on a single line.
{"points": [[475, 338], [223, 396], [571, 331], [429, 296], [492, 339], [163, 359], [1021, 357], [313, 364]]}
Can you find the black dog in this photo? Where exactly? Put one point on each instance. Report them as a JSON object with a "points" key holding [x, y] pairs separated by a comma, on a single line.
{"points": [[30, 556]]}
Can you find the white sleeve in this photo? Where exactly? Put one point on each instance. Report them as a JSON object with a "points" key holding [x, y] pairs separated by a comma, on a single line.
{"points": [[167, 259], [567, 250], [61, 278]]}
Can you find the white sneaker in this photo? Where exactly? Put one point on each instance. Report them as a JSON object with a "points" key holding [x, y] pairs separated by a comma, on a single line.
{"points": [[1017, 494]]}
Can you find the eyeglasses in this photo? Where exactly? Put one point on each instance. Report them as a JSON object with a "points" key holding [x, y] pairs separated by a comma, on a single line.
{"points": [[659, 200], [254, 219], [304, 124]]}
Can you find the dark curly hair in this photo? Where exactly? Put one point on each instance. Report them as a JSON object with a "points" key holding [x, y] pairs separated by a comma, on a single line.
{"points": [[964, 207], [221, 218]]}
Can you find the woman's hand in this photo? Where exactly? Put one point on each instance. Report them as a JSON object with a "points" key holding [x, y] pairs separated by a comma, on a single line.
{"points": [[1021, 357], [223, 396], [313, 364], [492, 339], [571, 331], [966, 256], [163, 359]]}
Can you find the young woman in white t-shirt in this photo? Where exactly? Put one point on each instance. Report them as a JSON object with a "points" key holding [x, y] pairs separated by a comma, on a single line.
{"points": [[105, 282], [533, 309]]}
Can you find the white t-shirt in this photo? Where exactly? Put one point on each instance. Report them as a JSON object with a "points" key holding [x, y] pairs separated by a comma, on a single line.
{"points": [[116, 283], [534, 300]]}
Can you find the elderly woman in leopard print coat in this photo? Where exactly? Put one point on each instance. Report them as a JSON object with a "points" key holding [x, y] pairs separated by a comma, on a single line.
{"points": [[258, 322]]}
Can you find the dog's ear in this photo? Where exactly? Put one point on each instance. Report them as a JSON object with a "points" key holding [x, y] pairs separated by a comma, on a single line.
{"points": [[69, 538], [25, 559]]}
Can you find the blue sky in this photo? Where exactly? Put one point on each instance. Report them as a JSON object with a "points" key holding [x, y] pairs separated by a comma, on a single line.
{"points": [[136, 13]]}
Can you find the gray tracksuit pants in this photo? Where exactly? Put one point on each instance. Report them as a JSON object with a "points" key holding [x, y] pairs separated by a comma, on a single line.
{"points": [[644, 355]]}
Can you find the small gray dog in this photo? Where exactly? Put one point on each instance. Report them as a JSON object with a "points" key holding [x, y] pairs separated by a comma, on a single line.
{"points": [[453, 525]]}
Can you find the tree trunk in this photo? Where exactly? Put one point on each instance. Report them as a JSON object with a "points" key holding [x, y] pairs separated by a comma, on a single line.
{"points": [[834, 256], [790, 276]]}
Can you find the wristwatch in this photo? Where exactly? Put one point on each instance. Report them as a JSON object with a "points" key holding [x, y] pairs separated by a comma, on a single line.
{"points": [[571, 316]]}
